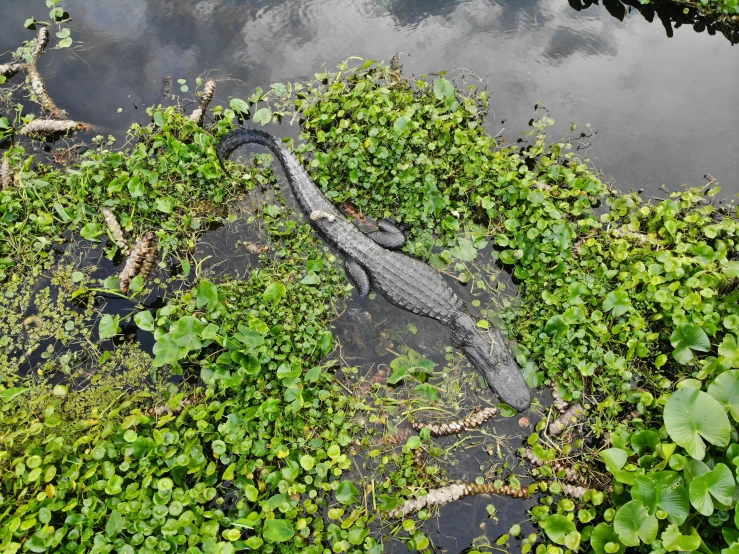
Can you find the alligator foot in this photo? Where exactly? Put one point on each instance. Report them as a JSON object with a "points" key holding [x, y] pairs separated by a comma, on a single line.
{"points": [[389, 236], [358, 276]]}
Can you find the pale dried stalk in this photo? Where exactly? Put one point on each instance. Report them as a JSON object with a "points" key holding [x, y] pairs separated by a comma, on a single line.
{"points": [[148, 264], [5, 177], [159, 411], [134, 261], [454, 427], [45, 127], [116, 232], [561, 471], [450, 493], [571, 416], [209, 89], [42, 39], [559, 404], [10, 69], [39, 89]]}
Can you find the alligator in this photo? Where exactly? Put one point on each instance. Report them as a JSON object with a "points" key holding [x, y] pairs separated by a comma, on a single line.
{"points": [[373, 264]]}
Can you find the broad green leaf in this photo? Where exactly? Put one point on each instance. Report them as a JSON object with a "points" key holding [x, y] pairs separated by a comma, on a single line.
{"points": [[207, 295], [325, 342], [604, 540], [144, 321], [401, 124], [8, 394], [725, 389], [674, 541], [109, 326], [114, 524], [686, 338], [347, 493], [263, 116], [690, 416], [158, 118], [557, 527], [185, 332], [240, 106], [274, 292], [556, 327], [663, 490], [165, 204], [311, 278], [277, 530], [614, 458], [618, 302], [729, 348], [91, 231], [718, 483], [633, 522], [464, 250], [166, 351], [444, 89]]}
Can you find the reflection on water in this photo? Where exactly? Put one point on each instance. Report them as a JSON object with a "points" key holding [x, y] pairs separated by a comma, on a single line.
{"points": [[665, 110]]}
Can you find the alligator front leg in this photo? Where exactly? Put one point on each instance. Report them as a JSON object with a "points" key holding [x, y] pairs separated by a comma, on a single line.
{"points": [[358, 276], [389, 236]]}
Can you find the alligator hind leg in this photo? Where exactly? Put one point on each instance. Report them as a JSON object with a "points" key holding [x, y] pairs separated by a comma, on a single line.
{"points": [[358, 276], [389, 236]]}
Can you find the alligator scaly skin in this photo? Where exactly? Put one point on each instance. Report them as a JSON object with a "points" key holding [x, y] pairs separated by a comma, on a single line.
{"points": [[404, 281]]}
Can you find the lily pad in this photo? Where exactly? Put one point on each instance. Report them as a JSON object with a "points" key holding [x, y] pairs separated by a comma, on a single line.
{"points": [[278, 530], [634, 524], [663, 490], [690, 416], [725, 389], [557, 527], [617, 302], [686, 338], [729, 348], [718, 483], [604, 540]]}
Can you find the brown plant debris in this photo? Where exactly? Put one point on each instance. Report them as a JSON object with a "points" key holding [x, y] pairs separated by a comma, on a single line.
{"points": [[149, 259], [256, 248], [40, 128], [5, 176], [453, 427], [418, 457], [400, 436], [42, 40], [159, 411], [209, 89], [166, 89], [134, 261], [561, 470], [573, 491], [559, 404], [571, 416], [450, 493], [10, 69], [39, 89], [116, 232]]}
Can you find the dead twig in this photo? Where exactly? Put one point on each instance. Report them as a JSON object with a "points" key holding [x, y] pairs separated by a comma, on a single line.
{"points": [[209, 89]]}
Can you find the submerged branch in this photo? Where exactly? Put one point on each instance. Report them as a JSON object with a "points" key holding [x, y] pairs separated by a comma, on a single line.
{"points": [[571, 416], [39, 89], [46, 127], [10, 69], [116, 232], [454, 427], [208, 91], [42, 40]]}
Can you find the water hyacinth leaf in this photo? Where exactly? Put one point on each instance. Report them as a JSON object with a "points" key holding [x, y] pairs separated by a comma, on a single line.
{"points": [[185, 332], [686, 338], [347, 492], [464, 250], [718, 483], [115, 524], [633, 522], [263, 116], [731, 269], [207, 295], [277, 530], [443, 88], [617, 302], [556, 327], [91, 231], [239, 106], [725, 389], [274, 292], [166, 351], [401, 124], [557, 527], [729, 349], [109, 326], [690, 416], [674, 540], [8, 394], [663, 490], [604, 540]]}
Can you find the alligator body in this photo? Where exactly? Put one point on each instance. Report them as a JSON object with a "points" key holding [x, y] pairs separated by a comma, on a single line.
{"points": [[404, 281]]}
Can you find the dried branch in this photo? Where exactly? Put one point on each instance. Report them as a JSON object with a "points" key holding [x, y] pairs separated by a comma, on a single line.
{"points": [[208, 91], [40, 128], [39, 89], [42, 40], [454, 427], [10, 69], [571, 416], [5, 176], [116, 232], [134, 261], [450, 493]]}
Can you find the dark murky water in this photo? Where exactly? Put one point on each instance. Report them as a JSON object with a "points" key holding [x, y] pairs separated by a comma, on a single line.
{"points": [[658, 85]]}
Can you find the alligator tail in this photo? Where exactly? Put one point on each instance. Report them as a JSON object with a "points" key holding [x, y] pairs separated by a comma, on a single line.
{"points": [[493, 359], [239, 137]]}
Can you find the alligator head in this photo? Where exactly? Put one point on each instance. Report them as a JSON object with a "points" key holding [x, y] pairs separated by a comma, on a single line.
{"points": [[493, 359]]}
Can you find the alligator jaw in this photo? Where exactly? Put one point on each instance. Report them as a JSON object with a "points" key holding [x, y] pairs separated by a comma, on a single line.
{"points": [[494, 361]]}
